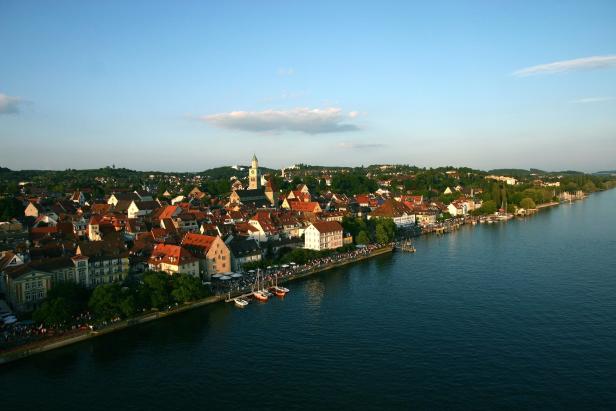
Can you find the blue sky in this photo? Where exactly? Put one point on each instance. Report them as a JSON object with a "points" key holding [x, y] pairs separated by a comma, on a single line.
{"points": [[187, 86]]}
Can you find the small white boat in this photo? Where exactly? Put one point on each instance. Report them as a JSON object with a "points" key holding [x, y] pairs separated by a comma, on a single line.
{"points": [[240, 302]]}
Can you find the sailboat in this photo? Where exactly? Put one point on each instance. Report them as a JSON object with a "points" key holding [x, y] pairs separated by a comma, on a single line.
{"points": [[279, 291], [408, 246], [258, 293]]}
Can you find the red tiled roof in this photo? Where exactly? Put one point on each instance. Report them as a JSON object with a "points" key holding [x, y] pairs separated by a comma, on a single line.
{"points": [[170, 254], [302, 206], [391, 208], [198, 240]]}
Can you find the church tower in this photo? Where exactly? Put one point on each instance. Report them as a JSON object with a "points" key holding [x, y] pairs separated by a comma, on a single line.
{"points": [[254, 179]]}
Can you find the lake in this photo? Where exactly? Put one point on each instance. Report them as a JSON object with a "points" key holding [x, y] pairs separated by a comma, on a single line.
{"points": [[518, 315]]}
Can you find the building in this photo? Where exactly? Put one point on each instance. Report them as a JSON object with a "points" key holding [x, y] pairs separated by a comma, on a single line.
{"points": [[26, 286], [252, 197], [100, 262], [211, 251], [254, 178], [243, 251], [139, 208], [173, 259], [323, 235], [458, 208], [401, 214]]}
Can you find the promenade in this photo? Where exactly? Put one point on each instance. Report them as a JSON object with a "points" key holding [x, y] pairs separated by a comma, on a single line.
{"points": [[284, 275]]}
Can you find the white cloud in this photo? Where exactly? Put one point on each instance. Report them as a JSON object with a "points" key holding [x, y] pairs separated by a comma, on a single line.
{"points": [[587, 100], [586, 63], [286, 71], [310, 121], [9, 105], [358, 146], [353, 114]]}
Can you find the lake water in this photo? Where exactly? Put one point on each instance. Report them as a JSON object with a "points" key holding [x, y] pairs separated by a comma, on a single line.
{"points": [[519, 315]]}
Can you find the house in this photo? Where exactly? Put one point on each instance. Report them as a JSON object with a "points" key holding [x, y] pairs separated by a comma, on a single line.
{"points": [[144, 195], [33, 210], [115, 198], [100, 262], [323, 235], [197, 193], [262, 221], [310, 207], [26, 286], [8, 259], [243, 251], [142, 208], [213, 254], [173, 259], [400, 213], [80, 226], [457, 208], [78, 197]]}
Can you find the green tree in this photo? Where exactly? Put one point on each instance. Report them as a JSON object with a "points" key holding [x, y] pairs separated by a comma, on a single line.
{"points": [[488, 207], [496, 194], [105, 301], [156, 287], [381, 234], [186, 288], [528, 203], [362, 238], [54, 313]]}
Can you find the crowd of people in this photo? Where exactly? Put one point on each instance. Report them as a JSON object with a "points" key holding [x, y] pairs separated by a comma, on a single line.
{"points": [[269, 275]]}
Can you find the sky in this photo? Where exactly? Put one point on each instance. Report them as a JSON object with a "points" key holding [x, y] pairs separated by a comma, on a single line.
{"points": [[186, 86]]}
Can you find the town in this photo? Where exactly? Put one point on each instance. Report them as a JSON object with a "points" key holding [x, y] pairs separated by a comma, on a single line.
{"points": [[87, 248]]}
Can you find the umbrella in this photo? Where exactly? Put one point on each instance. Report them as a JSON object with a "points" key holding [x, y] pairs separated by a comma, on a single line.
{"points": [[225, 277], [251, 271], [269, 267], [217, 275], [292, 263], [236, 275], [285, 266]]}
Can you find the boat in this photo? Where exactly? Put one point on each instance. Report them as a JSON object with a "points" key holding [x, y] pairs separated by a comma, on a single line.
{"points": [[240, 302], [259, 294], [407, 246], [279, 291]]}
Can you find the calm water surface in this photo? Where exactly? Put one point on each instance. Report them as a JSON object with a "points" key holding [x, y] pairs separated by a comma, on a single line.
{"points": [[503, 316]]}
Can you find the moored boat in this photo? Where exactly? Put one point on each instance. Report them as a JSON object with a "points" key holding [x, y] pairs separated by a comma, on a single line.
{"points": [[260, 295], [279, 291], [240, 302]]}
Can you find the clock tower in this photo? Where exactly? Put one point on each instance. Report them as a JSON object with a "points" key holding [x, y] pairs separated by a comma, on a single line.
{"points": [[254, 178]]}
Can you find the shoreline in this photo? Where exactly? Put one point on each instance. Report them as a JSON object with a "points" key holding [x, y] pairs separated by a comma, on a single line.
{"points": [[70, 338], [65, 340]]}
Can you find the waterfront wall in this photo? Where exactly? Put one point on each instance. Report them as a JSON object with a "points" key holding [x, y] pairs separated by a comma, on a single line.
{"points": [[62, 341]]}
